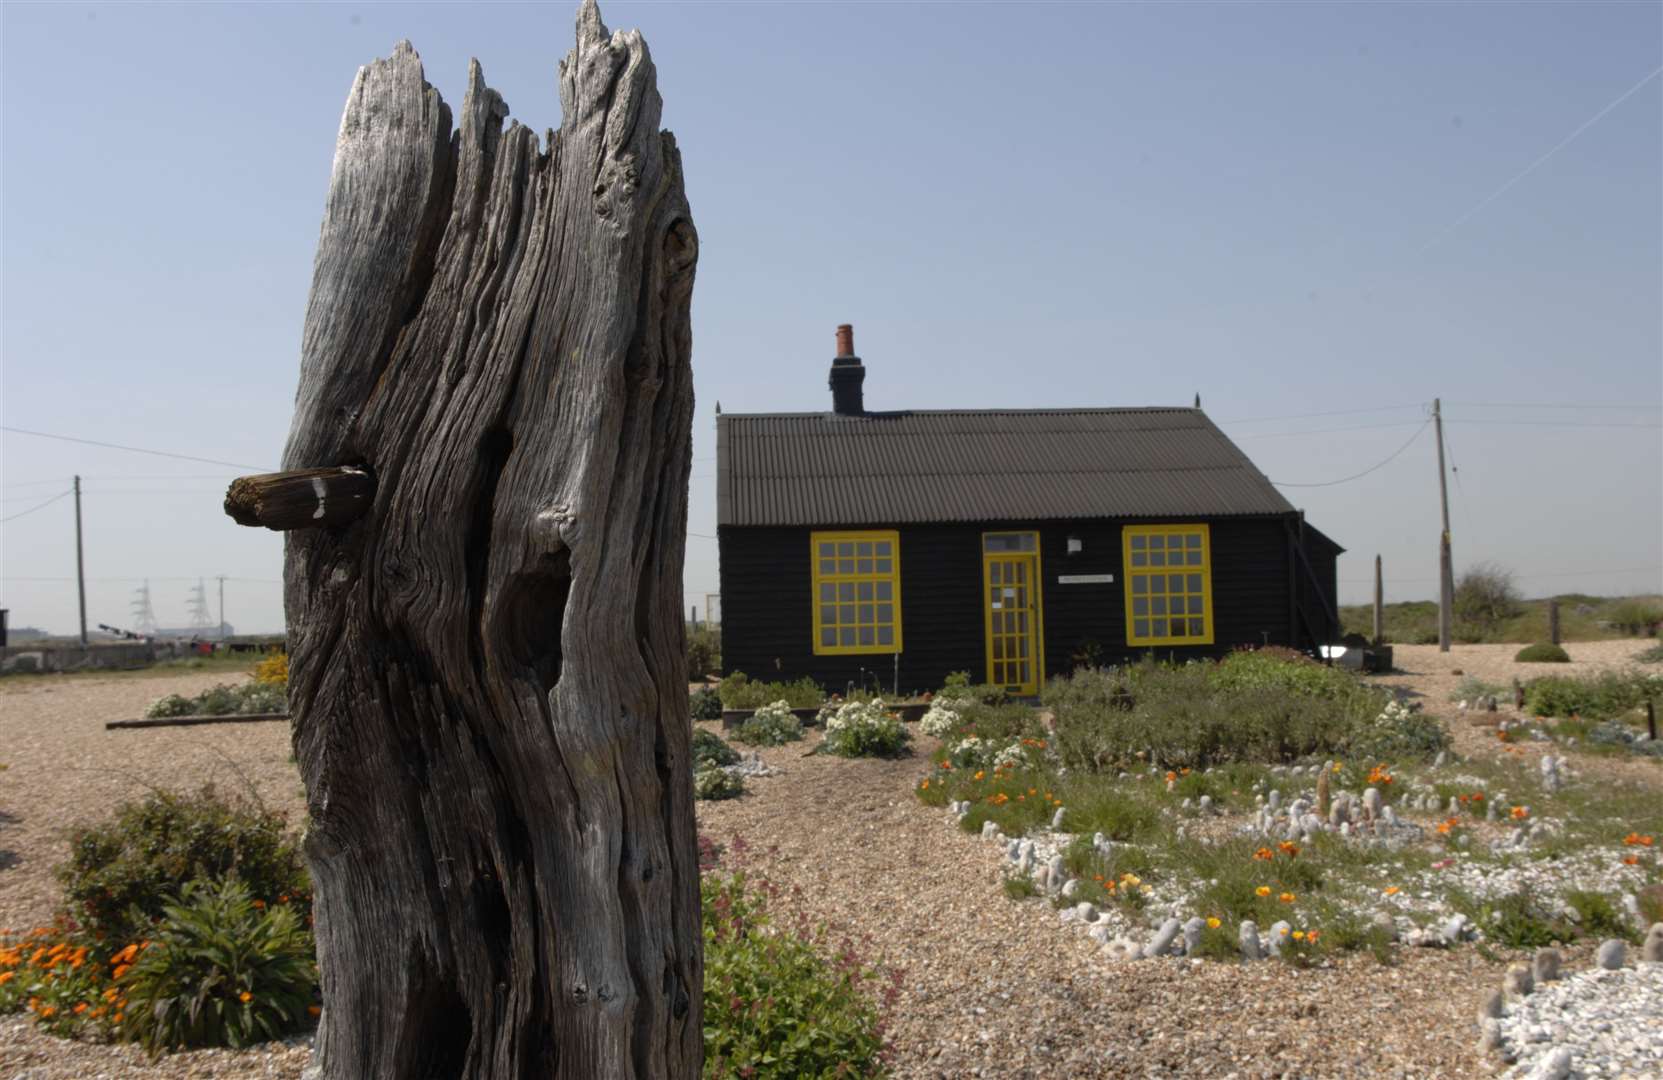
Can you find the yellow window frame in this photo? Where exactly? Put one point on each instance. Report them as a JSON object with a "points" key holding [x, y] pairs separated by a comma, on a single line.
{"points": [[1131, 573], [836, 577]]}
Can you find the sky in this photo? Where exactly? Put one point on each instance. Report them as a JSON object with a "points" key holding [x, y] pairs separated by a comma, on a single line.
{"points": [[1318, 216]]}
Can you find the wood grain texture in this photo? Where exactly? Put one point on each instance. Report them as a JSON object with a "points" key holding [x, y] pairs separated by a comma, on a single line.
{"points": [[302, 499], [487, 685]]}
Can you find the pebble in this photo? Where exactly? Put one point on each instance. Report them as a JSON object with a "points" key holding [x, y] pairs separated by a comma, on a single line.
{"points": [[1611, 955], [1596, 1022]]}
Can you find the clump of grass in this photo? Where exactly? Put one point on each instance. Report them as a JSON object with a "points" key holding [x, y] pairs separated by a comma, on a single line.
{"points": [[1543, 652], [1018, 887]]}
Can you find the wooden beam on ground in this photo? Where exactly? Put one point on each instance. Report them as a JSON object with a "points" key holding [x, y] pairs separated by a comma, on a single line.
{"points": [[192, 721], [301, 498]]}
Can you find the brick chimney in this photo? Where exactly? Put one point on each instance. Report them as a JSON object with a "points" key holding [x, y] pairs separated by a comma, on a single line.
{"points": [[847, 375]]}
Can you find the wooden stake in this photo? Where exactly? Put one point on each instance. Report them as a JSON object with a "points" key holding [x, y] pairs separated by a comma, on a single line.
{"points": [[301, 498], [1553, 621], [1379, 605], [1651, 720]]}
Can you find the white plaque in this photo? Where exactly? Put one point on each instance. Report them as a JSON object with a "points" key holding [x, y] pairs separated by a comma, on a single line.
{"points": [[1085, 579]]}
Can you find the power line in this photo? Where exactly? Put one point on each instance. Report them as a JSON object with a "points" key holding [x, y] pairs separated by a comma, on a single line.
{"points": [[1551, 405], [1333, 412], [1323, 431], [37, 506], [132, 449], [1365, 472], [1552, 423]]}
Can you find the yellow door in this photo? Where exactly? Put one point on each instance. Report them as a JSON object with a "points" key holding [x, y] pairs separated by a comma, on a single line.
{"points": [[1011, 604]]}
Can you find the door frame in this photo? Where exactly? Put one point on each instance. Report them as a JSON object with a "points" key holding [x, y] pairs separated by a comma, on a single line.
{"points": [[1036, 629]]}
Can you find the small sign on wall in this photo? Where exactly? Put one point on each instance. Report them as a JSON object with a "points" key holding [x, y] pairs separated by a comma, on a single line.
{"points": [[1085, 579]]}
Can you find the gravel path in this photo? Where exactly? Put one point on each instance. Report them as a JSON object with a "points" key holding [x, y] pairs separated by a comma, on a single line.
{"points": [[991, 987]]}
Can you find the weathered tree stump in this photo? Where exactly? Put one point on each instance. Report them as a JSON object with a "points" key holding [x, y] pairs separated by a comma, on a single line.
{"points": [[487, 685]]}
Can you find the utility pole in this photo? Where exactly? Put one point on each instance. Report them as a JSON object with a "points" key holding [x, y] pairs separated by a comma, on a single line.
{"points": [[222, 607], [1446, 567], [1379, 605], [80, 563]]}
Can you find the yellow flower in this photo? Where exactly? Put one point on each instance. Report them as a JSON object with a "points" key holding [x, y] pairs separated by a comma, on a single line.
{"points": [[1262, 890], [1299, 935], [1213, 923], [980, 774]]}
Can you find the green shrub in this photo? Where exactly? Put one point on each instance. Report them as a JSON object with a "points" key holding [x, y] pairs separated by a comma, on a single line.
{"points": [[1519, 921], [1636, 618], [1593, 697], [713, 783], [1653, 655], [1486, 596], [1598, 918], [738, 692], [219, 972], [771, 725], [121, 872], [1283, 670], [705, 704], [225, 700], [1399, 732], [1543, 652], [704, 652], [774, 1006], [709, 749], [865, 729]]}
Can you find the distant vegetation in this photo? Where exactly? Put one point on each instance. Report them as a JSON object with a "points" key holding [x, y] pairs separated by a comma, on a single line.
{"points": [[1581, 618]]}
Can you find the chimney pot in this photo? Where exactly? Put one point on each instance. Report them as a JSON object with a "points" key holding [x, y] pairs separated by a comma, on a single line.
{"points": [[847, 375], [846, 340]]}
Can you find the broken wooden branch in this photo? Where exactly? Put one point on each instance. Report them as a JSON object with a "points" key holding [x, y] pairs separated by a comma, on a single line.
{"points": [[193, 721], [301, 498]]}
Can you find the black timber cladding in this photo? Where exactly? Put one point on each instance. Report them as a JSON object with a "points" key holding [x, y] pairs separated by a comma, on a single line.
{"points": [[827, 470]]}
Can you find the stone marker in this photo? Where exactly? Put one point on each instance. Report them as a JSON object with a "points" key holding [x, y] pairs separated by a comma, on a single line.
{"points": [[1086, 912], [1070, 888], [989, 827], [1611, 954], [1059, 873], [1652, 950], [1441, 760], [1489, 1035], [1455, 928], [1192, 935], [1249, 935], [1491, 1009], [1162, 939], [1206, 804], [1545, 968], [1555, 1066], [1280, 934], [1056, 819], [1274, 800], [1518, 981], [1371, 804]]}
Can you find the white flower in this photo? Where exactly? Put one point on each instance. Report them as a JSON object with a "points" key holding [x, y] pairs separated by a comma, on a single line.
{"points": [[1010, 757], [939, 720]]}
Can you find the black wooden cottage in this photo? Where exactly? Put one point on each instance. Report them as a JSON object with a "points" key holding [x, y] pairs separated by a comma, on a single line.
{"points": [[892, 548]]}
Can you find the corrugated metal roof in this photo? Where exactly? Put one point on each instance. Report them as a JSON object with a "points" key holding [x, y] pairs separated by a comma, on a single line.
{"points": [[1015, 465]]}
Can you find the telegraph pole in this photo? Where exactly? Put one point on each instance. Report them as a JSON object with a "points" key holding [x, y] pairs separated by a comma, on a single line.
{"points": [[1379, 605], [222, 607], [1446, 570], [80, 563]]}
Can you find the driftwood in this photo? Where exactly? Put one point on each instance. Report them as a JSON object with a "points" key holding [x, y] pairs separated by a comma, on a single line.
{"points": [[486, 681], [194, 721], [303, 499]]}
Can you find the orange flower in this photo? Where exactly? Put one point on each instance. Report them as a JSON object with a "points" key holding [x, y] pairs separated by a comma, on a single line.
{"points": [[313, 1010], [1628, 860], [1520, 813], [81, 1008], [1286, 898], [261, 904], [1289, 848], [1392, 890], [6, 977], [245, 997], [980, 774], [1171, 776], [925, 786], [1264, 854], [1311, 935], [1262, 890], [121, 969]]}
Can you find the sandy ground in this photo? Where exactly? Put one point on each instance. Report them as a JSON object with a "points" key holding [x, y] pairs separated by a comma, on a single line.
{"points": [[988, 986]]}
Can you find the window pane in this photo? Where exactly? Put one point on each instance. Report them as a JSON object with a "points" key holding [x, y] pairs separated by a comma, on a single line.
{"points": [[846, 549], [1140, 605], [866, 613], [846, 614], [1177, 628], [864, 549], [1157, 583], [1157, 558], [828, 614], [846, 591], [1195, 628], [886, 613], [1193, 540], [886, 635], [1194, 558], [867, 636], [846, 635], [828, 592], [845, 566], [828, 637], [998, 647], [1139, 542], [881, 548], [1140, 558], [1140, 583], [1159, 605], [827, 550], [1160, 627], [1195, 605], [1175, 583], [1140, 628], [828, 566], [883, 566], [863, 566], [1195, 583], [884, 588], [863, 590], [995, 572]]}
